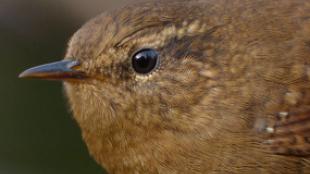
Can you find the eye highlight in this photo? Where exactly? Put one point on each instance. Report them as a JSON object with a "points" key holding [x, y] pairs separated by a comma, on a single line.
{"points": [[145, 60]]}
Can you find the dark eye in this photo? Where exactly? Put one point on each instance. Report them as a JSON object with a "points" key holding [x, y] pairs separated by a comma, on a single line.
{"points": [[145, 60]]}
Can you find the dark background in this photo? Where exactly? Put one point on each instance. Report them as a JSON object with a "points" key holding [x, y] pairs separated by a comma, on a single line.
{"points": [[37, 133]]}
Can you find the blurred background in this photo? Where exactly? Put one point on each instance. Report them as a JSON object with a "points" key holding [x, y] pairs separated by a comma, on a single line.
{"points": [[37, 133]]}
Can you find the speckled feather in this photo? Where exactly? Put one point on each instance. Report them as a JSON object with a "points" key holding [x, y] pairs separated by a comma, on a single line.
{"points": [[231, 94]]}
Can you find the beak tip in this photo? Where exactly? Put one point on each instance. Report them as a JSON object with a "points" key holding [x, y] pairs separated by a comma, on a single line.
{"points": [[27, 74], [22, 75]]}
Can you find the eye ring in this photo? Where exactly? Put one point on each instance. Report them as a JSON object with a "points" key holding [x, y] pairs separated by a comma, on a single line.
{"points": [[145, 61]]}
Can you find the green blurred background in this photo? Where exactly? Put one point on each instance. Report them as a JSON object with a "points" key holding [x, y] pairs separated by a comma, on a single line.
{"points": [[37, 133]]}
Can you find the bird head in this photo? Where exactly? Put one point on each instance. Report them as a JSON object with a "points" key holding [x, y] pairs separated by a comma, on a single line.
{"points": [[147, 65]]}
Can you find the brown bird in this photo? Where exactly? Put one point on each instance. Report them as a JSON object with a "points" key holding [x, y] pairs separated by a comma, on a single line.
{"points": [[204, 86]]}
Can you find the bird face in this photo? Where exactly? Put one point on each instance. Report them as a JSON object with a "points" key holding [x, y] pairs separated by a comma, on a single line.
{"points": [[144, 70]]}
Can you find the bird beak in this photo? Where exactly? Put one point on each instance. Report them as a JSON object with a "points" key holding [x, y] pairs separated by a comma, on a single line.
{"points": [[61, 70]]}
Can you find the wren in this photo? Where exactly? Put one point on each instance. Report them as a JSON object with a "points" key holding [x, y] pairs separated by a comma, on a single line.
{"points": [[193, 87]]}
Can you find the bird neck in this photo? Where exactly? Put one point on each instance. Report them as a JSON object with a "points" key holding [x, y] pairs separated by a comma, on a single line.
{"points": [[135, 149]]}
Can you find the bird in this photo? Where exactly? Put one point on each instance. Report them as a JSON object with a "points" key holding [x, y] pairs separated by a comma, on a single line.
{"points": [[194, 87]]}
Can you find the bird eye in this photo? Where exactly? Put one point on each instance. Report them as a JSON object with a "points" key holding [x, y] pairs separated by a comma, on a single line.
{"points": [[145, 60]]}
